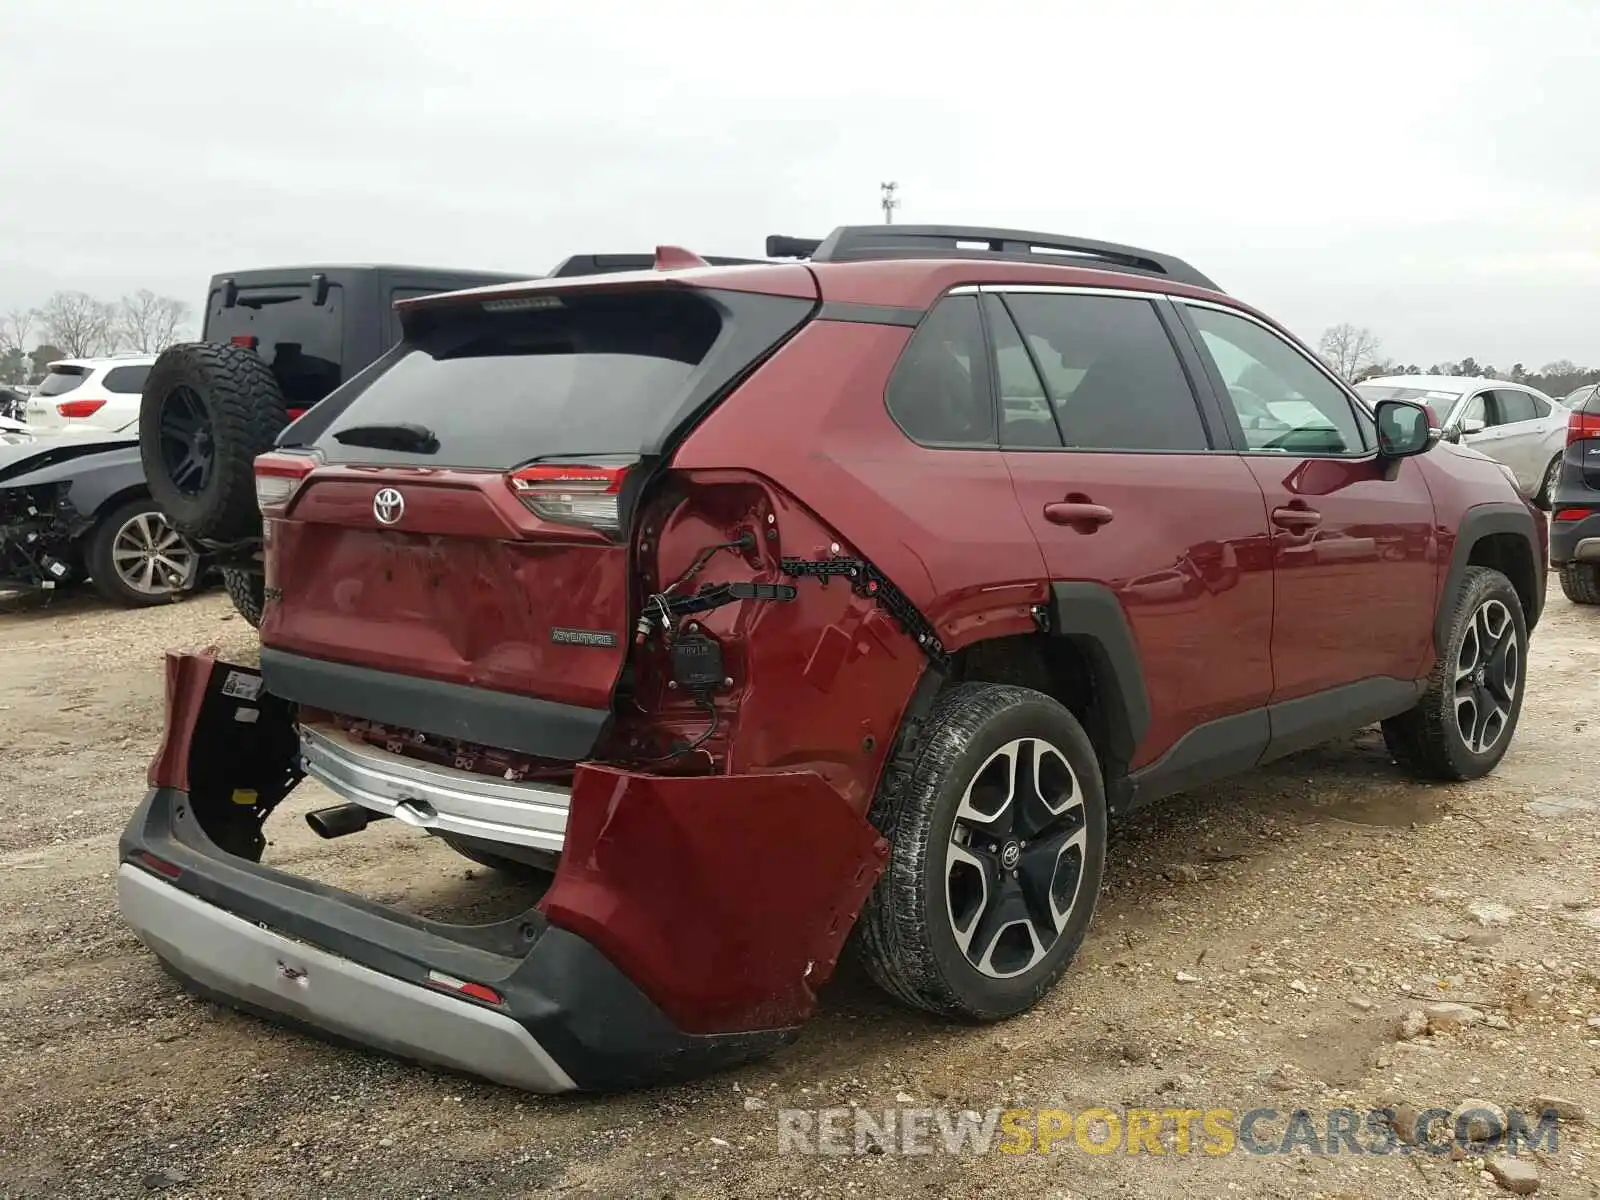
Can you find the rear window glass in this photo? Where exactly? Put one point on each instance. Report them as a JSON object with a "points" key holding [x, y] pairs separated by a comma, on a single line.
{"points": [[126, 379], [62, 380], [302, 342], [497, 389]]}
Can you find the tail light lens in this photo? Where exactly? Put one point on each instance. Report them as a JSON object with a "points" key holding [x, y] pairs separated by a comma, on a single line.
{"points": [[1582, 425], [279, 476], [80, 408], [570, 494], [1573, 514]]}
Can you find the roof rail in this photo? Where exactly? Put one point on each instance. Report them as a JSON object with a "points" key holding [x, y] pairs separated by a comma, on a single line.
{"points": [[865, 243], [608, 264]]}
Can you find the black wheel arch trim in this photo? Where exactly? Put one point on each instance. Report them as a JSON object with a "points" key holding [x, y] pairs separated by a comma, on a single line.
{"points": [[1090, 615], [1481, 521]]}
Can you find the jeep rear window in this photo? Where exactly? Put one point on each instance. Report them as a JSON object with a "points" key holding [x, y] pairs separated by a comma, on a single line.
{"points": [[302, 342], [62, 380], [597, 376]]}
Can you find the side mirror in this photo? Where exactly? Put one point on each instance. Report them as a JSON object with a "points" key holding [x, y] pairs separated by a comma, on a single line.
{"points": [[1473, 425], [1404, 428]]}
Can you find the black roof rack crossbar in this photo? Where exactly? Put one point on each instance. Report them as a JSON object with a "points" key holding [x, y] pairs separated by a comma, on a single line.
{"points": [[865, 243], [608, 264]]}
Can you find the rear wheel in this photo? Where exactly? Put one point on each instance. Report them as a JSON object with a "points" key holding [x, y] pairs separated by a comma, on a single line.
{"points": [[136, 558], [207, 411], [1581, 582], [996, 819], [248, 591], [1463, 725]]}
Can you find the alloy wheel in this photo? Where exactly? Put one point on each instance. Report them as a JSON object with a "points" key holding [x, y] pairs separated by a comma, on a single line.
{"points": [[1015, 860], [1488, 673], [152, 557]]}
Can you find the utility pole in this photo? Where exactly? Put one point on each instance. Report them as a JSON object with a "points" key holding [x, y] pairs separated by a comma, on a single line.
{"points": [[889, 201]]}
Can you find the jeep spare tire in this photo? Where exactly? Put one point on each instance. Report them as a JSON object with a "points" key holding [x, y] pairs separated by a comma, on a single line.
{"points": [[208, 409]]}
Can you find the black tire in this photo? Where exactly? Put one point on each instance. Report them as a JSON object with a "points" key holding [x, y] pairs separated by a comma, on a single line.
{"points": [[225, 401], [1547, 485], [101, 560], [1429, 740], [248, 591], [907, 935], [484, 857], [1581, 582]]}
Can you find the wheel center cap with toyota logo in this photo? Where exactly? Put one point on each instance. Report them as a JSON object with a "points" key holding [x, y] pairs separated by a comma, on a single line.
{"points": [[388, 506]]}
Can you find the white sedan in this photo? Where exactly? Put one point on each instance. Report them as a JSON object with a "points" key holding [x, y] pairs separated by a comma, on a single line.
{"points": [[1510, 422]]}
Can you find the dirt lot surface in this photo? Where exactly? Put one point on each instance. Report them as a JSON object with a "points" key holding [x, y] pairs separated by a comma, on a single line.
{"points": [[1258, 945]]}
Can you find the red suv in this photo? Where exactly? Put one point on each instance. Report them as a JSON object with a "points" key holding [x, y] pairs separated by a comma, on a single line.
{"points": [[746, 607]]}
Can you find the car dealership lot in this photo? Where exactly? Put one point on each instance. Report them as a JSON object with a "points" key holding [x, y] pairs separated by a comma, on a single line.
{"points": [[1243, 935]]}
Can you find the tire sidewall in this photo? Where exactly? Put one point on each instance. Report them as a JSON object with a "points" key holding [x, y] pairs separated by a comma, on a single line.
{"points": [[1031, 715], [1482, 587], [220, 376]]}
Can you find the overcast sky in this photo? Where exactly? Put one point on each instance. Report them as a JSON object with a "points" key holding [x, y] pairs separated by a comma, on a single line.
{"points": [[1430, 169]]}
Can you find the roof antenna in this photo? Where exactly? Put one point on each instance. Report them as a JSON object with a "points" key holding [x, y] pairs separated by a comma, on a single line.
{"points": [[888, 200], [676, 258]]}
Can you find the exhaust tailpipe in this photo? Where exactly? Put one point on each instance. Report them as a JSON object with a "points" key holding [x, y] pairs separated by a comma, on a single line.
{"points": [[341, 819]]}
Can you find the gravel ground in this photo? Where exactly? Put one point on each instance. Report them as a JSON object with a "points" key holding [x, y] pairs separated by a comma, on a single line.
{"points": [[1258, 945]]}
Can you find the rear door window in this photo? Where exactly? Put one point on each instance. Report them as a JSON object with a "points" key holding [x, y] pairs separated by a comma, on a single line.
{"points": [[62, 380], [1514, 406], [126, 380], [1110, 372], [599, 375], [939, 391]]}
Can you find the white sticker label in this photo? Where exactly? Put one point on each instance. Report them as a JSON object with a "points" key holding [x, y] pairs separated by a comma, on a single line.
{"points": [[246, 716], [241, 686]]}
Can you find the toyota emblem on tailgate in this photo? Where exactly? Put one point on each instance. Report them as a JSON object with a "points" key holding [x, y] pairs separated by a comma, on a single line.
{"points": [[388, 506]]}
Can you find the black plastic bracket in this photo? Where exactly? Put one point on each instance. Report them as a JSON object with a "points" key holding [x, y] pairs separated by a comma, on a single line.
{"points": [[866, 580]]}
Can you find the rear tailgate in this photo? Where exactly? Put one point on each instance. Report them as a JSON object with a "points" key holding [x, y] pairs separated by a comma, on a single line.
{"points": [[468, 523]]}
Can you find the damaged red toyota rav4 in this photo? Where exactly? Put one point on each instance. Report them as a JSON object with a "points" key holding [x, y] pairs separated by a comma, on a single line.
{"points": [[758, 608]]}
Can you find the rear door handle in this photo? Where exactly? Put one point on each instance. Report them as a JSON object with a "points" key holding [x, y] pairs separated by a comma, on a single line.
{"points": [[1296, 518], [1077, 512]]}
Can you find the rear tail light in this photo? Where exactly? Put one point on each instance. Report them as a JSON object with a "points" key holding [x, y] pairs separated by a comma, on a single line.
{"points": [[279, 476], [1572, 514], [1581, 425], [565, 494], [247, 340], [159, 865], [80, 408]]}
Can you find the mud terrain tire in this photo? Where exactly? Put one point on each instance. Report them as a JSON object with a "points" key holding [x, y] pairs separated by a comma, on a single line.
{"points": [[207, 411]]}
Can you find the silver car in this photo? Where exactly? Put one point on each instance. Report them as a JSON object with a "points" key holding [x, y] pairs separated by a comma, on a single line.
{"points": [[1510, 422]]}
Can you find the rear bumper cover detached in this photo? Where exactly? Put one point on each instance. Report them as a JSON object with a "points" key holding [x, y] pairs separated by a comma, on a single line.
{"points": [[687, 929], [335, 964]]}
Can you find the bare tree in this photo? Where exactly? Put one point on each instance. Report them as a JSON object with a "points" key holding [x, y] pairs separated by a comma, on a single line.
{"points": [[80, 325], [1348, 349], [14, 328], [150, 323]]}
